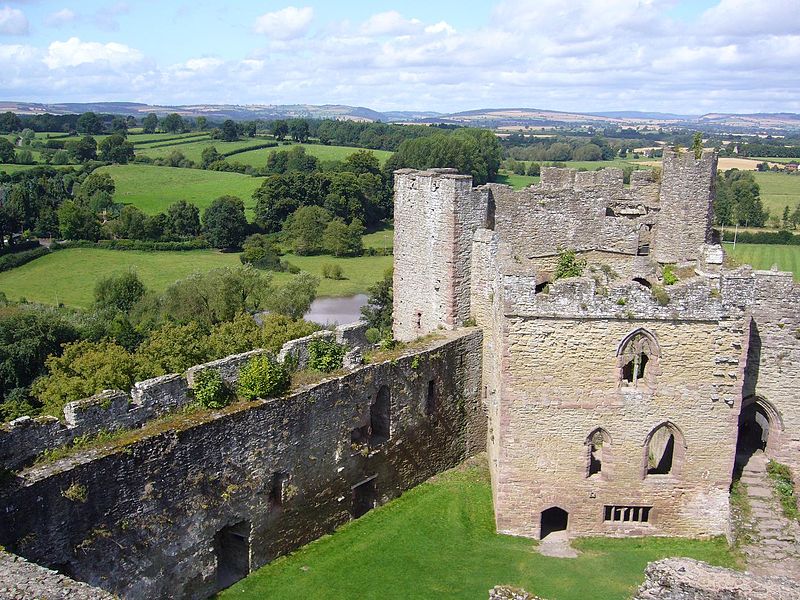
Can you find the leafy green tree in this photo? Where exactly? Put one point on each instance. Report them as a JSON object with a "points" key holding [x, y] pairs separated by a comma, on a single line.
{"points": [[224, 222], [27, 136], [209, 156], [82, 150], [173, 123], [534, 169], [116, 149], [259, 250], [738, 199], [263, 377], [588, 152], [24, 157], [242, 334], [216, 296], [341, 239], [95, 183], [280, 129], [305, 229], [697, 145], [295, 297], [183, 219], [229, 131], [201, 123], [277, 329], [7, 154], [377, 312], [89, 123], [299, 130], [150, 123], [293, 160], [9, 122], [363, 161], [172, 348], [77, 222], [120, 125], [120, 291], [83, 369]]}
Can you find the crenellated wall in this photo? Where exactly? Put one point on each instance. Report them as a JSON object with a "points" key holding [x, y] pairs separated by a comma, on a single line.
{"points": [[144, 519]]}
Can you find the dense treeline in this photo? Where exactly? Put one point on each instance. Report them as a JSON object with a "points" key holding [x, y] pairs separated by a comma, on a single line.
{"points": [[782, 237], [738, 200], [560, 149], [763, 150]]}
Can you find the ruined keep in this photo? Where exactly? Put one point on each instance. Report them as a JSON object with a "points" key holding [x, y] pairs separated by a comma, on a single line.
{"points": [[616, 403]]}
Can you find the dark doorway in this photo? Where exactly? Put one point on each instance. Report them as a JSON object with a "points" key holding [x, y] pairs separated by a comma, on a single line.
{"points": [[365, 495], [232, 547], [754, 430], [553, 519]]}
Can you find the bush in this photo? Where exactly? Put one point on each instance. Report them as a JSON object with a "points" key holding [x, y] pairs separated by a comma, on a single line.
{"points": [[668, 275], [325, 355], [210, 390], [263, 377], [569, 265], [11, 261], [332, 271], [782, 237]]}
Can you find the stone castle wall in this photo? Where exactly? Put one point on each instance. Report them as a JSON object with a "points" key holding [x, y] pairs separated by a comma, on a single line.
{"points": [[142, 520]]}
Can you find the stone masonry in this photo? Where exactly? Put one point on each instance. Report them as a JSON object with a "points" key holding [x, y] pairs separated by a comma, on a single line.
{"points": [[617, 402]]}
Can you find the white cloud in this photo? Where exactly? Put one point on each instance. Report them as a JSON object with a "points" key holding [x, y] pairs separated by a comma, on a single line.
{"points": [[285, 24], [13, 21], [60, 17], [389, 23], [74, 52], [440, 27], [749, 18]]}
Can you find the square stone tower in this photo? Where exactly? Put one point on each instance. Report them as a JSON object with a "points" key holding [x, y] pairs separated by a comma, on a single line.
{"points": [[436, 213]]}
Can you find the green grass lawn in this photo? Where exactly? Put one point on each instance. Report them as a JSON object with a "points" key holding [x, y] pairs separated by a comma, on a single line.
{"points": [[381, 238], [69, 276], [778, 190], [763, 256], [438, 541], [516, 181], [153, 189], [194, 150]]}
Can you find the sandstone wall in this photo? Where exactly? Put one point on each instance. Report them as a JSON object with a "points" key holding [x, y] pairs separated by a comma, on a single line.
{"points": [[436, 213], [144, 524], [560, 381]]}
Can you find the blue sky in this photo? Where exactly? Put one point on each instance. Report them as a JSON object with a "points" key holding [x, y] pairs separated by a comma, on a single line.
{"points": [[588, 55]]}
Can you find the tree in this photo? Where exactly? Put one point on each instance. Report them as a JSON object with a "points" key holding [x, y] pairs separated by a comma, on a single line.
{"points": [[295, 297], [377, 312], [89, 123], [341, 239], [149, 123], [224, 222], [116, 149], [24, 157], [259, 251], [173, 123], [83, 149], [9, 122], [183, 219], [172, 348], [697, 145], [280, 129], [229, 131], [78, 222], [119, 292], [242, 334], [299, 130], [120, 125], [588, 152], [305, 229], [362, 161], [7, 154], [131, 223], [201, 123], [209, 156], [27, 136], [96, 192]]}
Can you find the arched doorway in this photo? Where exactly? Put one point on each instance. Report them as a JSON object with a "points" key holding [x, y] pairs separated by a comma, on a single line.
{"points": [[759, 424], [553, 519]]}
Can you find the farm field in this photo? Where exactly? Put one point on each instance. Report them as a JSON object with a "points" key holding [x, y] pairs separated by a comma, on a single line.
{"points": [[152, 189], [516, 181], [439, 540], [381, 238], [69, 276], [763, 256], [778, 190], [258, 158]]}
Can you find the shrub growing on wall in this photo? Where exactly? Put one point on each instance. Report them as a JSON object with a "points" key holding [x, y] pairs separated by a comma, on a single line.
{"points": [[263, 377], [325, 355], [210, 390], [569, 265]]}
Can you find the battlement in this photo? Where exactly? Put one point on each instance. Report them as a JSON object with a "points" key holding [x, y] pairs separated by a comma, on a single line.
{"points": [[24, 439]]}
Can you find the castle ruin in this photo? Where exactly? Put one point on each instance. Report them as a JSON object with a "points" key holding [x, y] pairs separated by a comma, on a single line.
{"points": [[616, 402]]}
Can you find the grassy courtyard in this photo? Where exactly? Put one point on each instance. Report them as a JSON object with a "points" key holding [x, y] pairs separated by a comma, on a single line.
{"points": [[438, 541], [69, 276]]}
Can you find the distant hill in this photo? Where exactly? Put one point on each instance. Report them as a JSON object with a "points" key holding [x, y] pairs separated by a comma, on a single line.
{"points": [[508, 118]]}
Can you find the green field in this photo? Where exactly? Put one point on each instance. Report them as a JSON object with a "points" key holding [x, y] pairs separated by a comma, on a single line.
{"points": [[438, 541], [763, 256], [153, 189], [382, 238], [69, 276], [778, 190], [516, 181]]}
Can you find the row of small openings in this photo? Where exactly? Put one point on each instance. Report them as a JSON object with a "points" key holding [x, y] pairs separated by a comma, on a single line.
{"points": [[664, 451], [627, 514]]}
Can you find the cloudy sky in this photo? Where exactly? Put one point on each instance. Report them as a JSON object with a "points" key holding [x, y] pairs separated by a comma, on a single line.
{"points": [[684, 56]]}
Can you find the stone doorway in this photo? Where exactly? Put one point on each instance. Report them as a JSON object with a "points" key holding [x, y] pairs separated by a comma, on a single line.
{"points": [[553, 520], [365, 496], [232, 548], [759, 424]]}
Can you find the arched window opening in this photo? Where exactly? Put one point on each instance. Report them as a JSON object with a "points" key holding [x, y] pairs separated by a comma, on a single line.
{"points": [[380, 417], [665, 451], [760, 426], [597, 452], [636, 359]]}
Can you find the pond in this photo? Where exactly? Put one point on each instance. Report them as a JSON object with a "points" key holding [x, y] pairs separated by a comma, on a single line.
{"points": [[329, 311]]}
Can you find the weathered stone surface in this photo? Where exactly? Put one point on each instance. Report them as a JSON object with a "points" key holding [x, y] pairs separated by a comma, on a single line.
{"points": [[505, 592], [23, 580], [687, 579], [145, 523]]}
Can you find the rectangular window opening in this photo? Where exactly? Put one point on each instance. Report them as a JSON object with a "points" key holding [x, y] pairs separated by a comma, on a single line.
{"points": [[626, 514]]}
